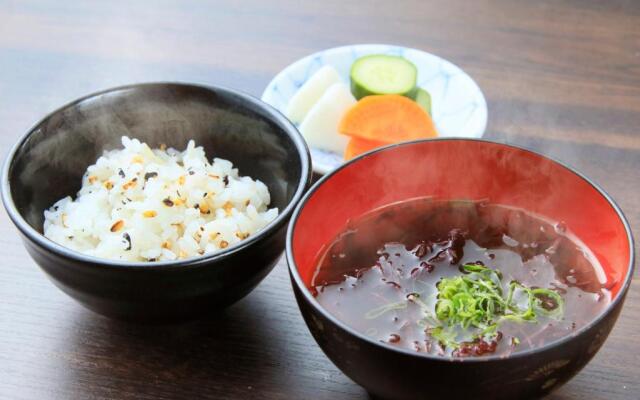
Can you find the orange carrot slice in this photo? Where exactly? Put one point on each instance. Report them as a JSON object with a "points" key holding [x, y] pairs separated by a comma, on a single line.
{"points": [[388, 118], [357, 146]]}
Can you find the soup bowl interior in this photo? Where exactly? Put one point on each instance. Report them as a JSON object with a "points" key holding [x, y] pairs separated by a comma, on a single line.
{"points": [[458, 169], [49, 162]]}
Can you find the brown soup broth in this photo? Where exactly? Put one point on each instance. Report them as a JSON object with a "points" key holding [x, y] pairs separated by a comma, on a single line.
{"points": [[386, 255]]}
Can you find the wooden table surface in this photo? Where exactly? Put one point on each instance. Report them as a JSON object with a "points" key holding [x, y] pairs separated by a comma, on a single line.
{"points": [[562, 78]]}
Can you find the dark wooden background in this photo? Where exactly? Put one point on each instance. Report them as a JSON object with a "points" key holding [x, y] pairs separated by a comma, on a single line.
{"points": [[560, 77]]}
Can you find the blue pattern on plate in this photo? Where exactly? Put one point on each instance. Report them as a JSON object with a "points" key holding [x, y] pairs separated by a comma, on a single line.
{"points": [[459, 107]]}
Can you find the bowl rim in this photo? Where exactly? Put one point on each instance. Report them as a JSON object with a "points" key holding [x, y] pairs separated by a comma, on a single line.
{"points": [[300, 285], [192, 262]]}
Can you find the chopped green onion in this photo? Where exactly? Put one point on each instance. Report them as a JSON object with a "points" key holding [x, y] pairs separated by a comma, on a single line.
{"points": [[476, 300], [379, 311]]}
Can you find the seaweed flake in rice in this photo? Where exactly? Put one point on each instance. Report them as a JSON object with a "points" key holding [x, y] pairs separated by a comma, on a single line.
{"points": [[143, 204]]}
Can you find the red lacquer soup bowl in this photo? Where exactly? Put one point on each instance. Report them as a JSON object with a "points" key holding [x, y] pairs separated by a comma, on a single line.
{"points": [[453, 169]]}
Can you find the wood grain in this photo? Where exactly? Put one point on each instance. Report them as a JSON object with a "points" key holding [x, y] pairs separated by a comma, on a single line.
{"points": [[562, 78]]}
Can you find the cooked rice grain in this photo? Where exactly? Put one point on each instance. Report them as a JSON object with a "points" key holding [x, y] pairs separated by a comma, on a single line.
{"points": [[139, 204]]}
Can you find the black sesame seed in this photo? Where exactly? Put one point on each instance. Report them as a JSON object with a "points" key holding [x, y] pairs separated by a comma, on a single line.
{"points": [[226, 180], [121, 173], [149, 175], [127, 239], [167, 202], [191, 172]]}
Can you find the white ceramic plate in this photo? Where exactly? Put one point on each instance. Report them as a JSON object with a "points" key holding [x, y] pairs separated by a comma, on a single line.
{"points": [[458, 106]]}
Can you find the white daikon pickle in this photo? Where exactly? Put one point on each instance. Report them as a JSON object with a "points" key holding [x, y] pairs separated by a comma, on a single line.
{"points": [[320, 126], [310, 92]]}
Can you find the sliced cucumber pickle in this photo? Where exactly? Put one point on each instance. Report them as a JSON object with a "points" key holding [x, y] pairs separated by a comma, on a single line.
{"points": [[383, 74], [423, 98]]}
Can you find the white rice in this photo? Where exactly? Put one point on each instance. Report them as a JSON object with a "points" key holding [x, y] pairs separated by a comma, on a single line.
{"points": [[139, 204]]}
